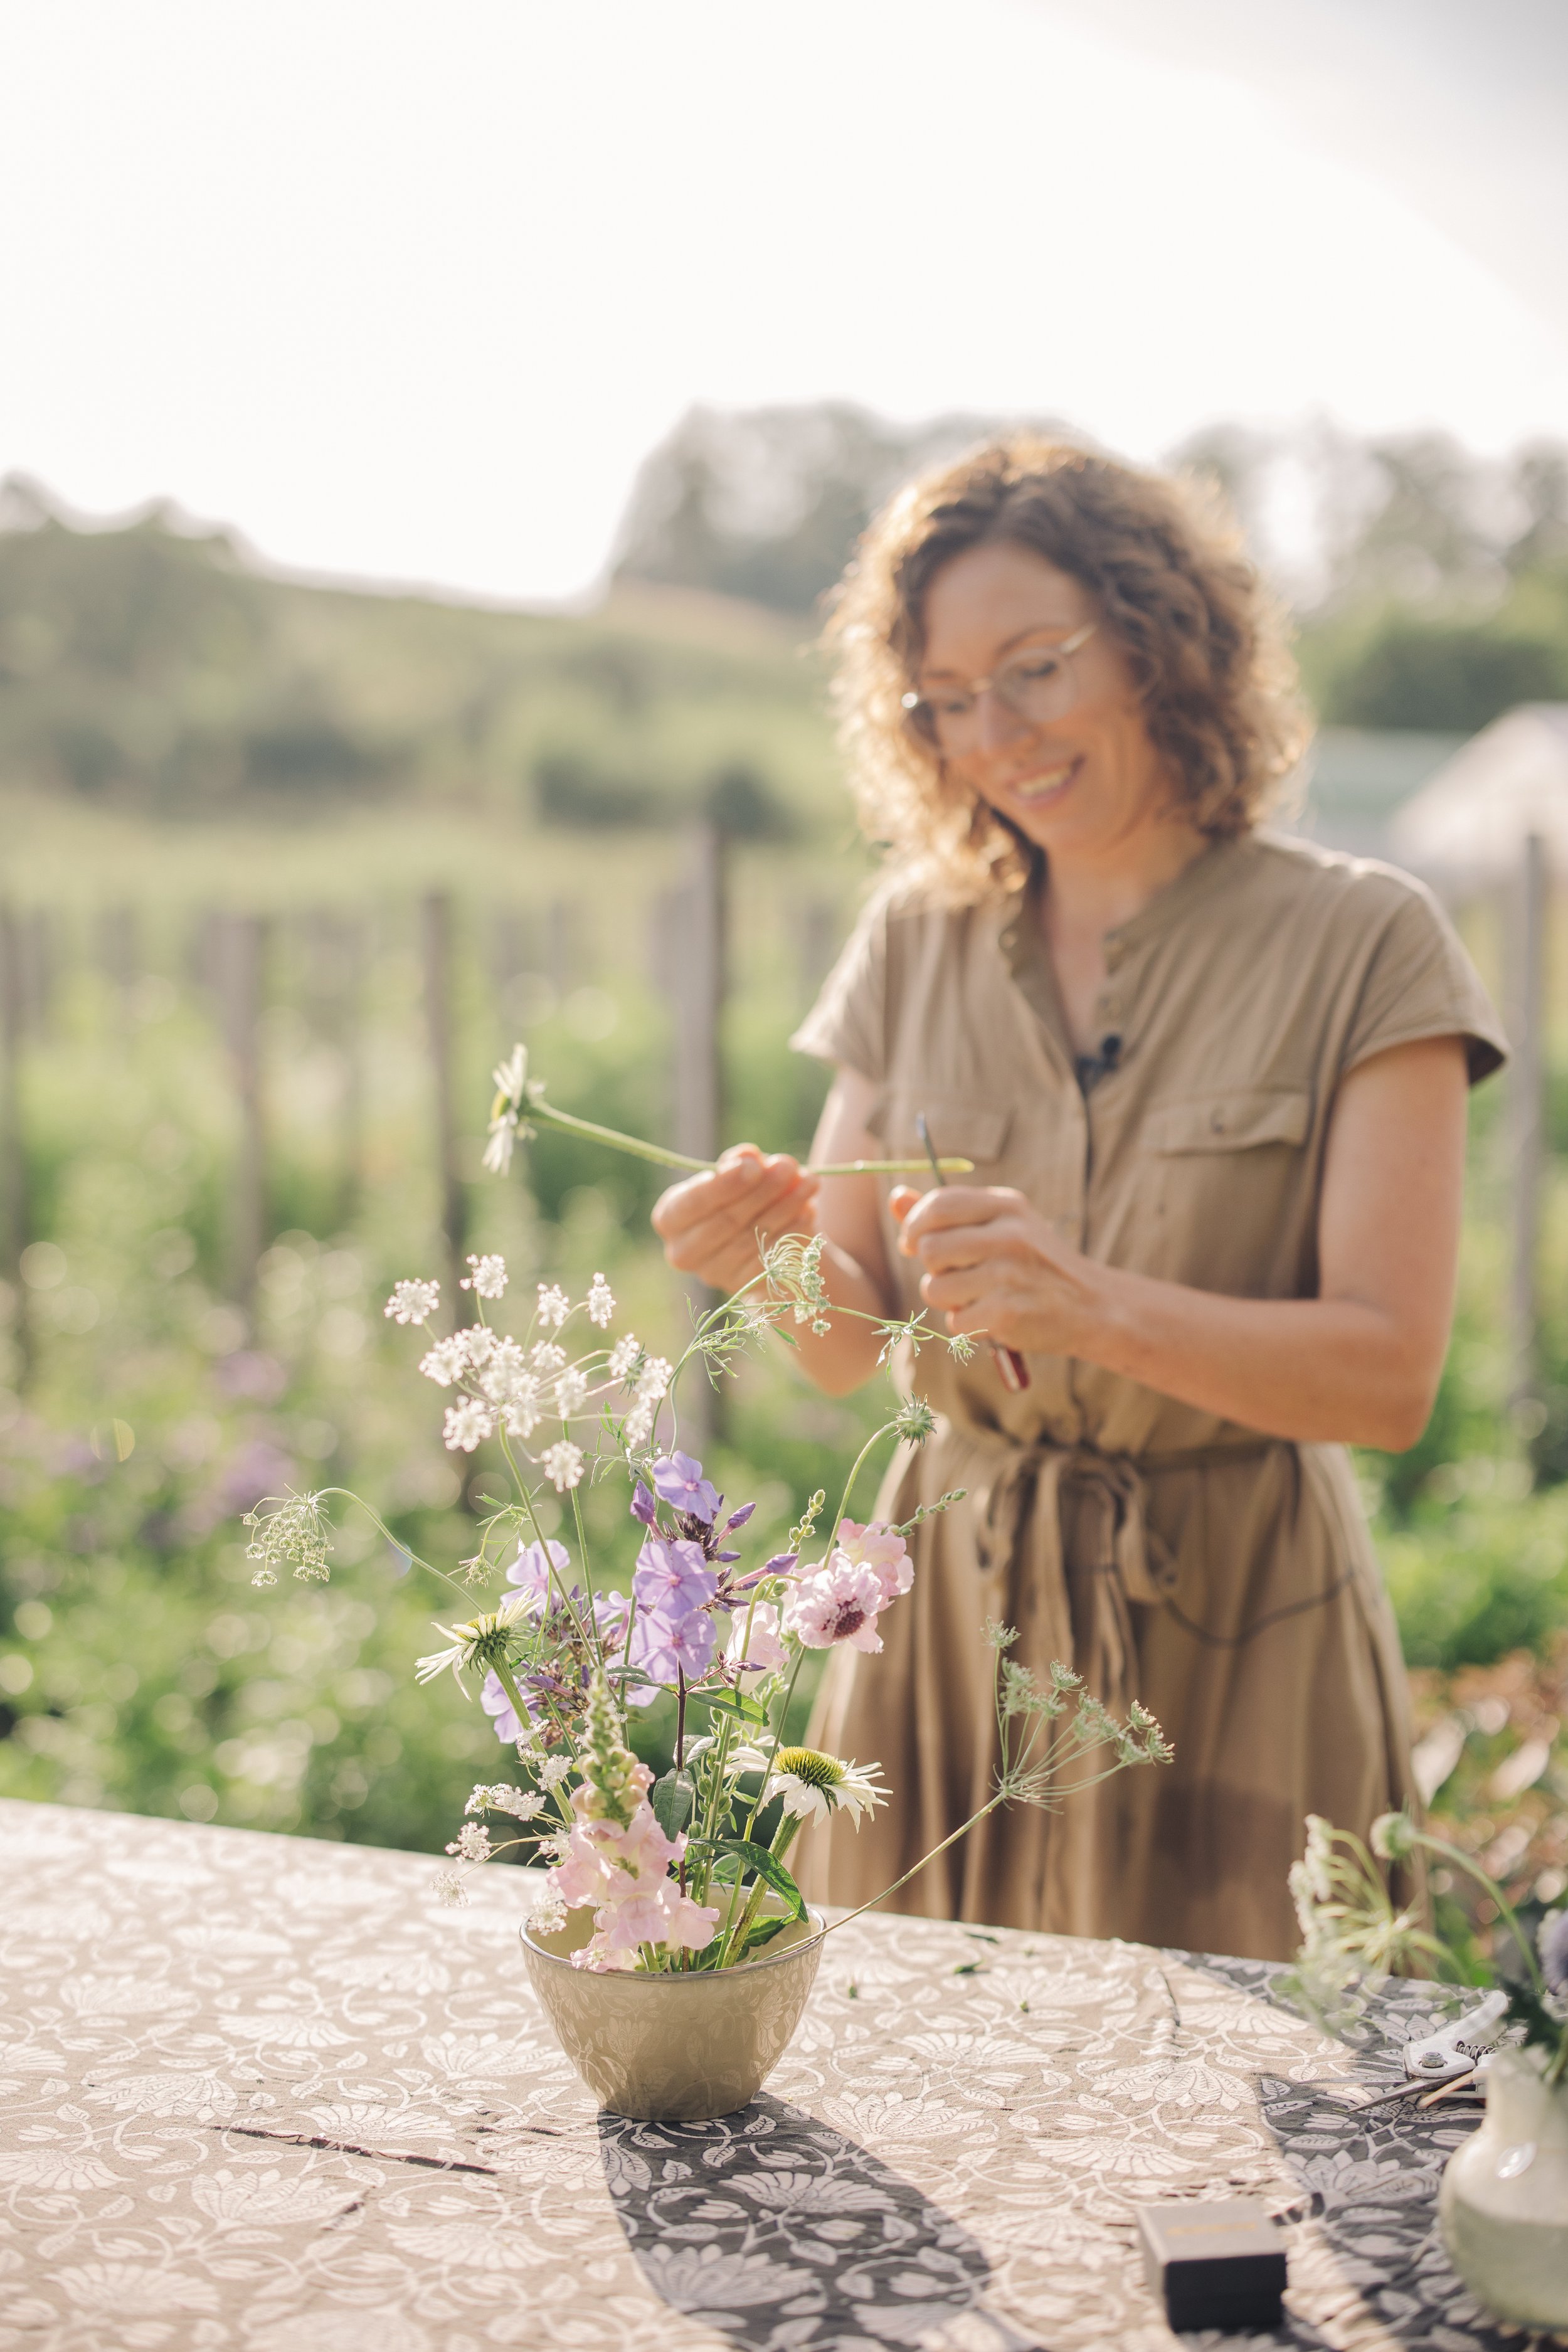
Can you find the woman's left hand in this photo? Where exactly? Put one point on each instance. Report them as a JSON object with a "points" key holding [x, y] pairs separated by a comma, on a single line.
{"points": [[993, 1264]]}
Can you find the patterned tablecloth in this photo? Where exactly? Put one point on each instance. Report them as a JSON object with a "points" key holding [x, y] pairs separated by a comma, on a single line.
{"points": [[263, 2093]]}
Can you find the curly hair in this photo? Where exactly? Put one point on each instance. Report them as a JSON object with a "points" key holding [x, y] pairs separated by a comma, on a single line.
{"points": [[1202, 637]]}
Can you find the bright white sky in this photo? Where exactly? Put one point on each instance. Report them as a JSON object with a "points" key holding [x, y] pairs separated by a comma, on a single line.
{"points": [[406, 292]]}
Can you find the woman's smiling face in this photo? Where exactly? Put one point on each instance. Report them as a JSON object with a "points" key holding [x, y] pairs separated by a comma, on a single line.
{"points": [[1078, 786]]}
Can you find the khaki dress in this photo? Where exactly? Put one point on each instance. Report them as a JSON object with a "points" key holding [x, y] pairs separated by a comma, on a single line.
{"points": [[1226, 1578]]}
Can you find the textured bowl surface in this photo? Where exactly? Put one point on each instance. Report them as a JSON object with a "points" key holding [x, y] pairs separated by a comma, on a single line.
{"points": [[676, 2049]]}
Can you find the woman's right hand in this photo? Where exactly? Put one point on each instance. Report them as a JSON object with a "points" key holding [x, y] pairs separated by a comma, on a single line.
{"points": [[710, 1224]]}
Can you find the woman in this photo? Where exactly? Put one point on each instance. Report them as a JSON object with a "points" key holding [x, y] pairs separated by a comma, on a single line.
{"points": [[1214, 1083]]}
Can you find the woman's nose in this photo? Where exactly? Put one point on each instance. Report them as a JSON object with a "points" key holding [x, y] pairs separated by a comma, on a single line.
{"points": [[1000, 726]]}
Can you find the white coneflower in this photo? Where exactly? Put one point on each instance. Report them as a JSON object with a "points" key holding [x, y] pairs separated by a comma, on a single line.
{"points": [[562, 1465], [571, 1392], [511, 1080], [446, 1361], [488, 1278], [600, 1302], [413, 1302], [553, 1306], [623, 1359], [467, 1424], [813, 1786], [478, 1641]]}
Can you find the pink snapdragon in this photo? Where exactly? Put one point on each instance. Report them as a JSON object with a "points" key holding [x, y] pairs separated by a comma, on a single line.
{"points": [[625, 1875]]}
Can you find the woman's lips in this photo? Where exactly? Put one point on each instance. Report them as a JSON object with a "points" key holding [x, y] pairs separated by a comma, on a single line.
{"points": [[1044, 782]]}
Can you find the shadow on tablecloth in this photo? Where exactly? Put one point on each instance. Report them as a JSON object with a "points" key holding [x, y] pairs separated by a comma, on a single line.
{"points": [[772, 2229]]}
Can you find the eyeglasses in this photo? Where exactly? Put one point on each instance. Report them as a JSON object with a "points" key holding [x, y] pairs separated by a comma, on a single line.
{"points": [[1038, 686]]}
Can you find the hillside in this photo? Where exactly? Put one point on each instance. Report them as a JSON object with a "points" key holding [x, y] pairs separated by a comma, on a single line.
{"points": [[152, 669]]}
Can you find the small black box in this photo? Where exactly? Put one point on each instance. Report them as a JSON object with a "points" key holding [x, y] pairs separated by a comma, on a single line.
{"points": [[1215, 2264]]}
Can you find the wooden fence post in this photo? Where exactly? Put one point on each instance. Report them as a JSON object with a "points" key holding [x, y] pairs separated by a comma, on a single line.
{"points": [[697, 973], [14, 1204], [1526, 1113], [240, 941], [437, 935]]}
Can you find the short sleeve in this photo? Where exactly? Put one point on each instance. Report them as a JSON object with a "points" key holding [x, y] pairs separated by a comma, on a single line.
{"points": [[1420, 983], [848, 1023]]}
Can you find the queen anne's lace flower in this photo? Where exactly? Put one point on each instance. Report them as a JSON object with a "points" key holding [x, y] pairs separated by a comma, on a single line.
{"points": [[600, 1302], [413, 1302], [467, 1424], [654, 1378], [637, 1427], [547, 1360], [293, 1533], [571, 1392], [488, 1278], [522, 1412], [553, 1306], [472, 1843], [554, 1770], [446, 1361], [447, 1887], [562, 1465], [623, 1359]]}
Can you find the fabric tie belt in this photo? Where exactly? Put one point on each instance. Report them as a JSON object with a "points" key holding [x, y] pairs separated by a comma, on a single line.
{"points": [[1072, 1524]]}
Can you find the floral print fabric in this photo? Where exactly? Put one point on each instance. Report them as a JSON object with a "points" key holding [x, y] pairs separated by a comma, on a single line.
{"points": [[264, 2094]]}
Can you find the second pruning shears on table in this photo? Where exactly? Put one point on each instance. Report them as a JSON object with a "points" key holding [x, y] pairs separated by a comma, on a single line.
{"points": [[1011, 1368]]}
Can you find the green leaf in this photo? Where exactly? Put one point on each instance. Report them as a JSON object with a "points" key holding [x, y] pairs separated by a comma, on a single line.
{"points": [[762, 1865], [736, 1703], [764, 1933], [674, 1801]]}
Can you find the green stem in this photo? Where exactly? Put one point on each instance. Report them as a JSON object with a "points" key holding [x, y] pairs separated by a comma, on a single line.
{"points": [[572, 1125], [1454, 1854], [875, 1439]]}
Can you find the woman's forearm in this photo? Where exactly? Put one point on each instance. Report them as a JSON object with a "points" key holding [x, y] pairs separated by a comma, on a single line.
{"points": [[1316, 1369]]}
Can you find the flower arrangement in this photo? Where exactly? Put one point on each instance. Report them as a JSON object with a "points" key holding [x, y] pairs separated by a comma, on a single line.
{"points": [[1352, 1934], [688, 1870]]}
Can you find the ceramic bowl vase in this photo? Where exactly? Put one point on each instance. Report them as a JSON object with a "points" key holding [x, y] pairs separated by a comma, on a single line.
{"points": [[1504, 2199], [674, 2049]]}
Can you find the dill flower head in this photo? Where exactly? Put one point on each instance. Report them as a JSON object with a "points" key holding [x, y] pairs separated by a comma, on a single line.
{"points": [[292, 1532], [814, 1786]]}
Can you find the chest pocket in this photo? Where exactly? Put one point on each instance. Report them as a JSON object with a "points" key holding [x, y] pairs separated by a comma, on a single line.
{"points": [[1232, 1119], [959, 1128]]}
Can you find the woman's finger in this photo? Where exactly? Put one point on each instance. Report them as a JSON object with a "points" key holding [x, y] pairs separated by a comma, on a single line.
{"points": [[955, 1204], [741, 1192], [969, 1244]]}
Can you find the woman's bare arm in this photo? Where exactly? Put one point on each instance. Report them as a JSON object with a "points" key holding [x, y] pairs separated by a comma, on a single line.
{"points": [[1359, 1363], [710, 1226]]}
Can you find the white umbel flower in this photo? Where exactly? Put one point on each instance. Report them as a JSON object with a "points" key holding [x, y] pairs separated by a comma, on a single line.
{"points": [[488, 1278], [562, 1465], [467, 1424], [446, 1361], [623, 1359], [553, 1306], [571, 1392], [600, 1302], [413, 1302]]}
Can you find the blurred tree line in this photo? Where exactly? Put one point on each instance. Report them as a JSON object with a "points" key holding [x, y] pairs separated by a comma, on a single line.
{"points": [[1431, 585]]}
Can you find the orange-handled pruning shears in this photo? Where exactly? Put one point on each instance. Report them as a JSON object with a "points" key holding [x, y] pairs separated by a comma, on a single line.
{"points": [[1011, 1368]]}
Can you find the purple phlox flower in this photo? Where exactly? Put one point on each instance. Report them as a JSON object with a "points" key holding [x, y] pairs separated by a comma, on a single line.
{"points": [[679, 1481], [672, 1579], [495, 1702], [725, 1555], [610, 1617], [782, 1564], [738, 1519], [661, 1649], [644, 1507], [531, 1570]]}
